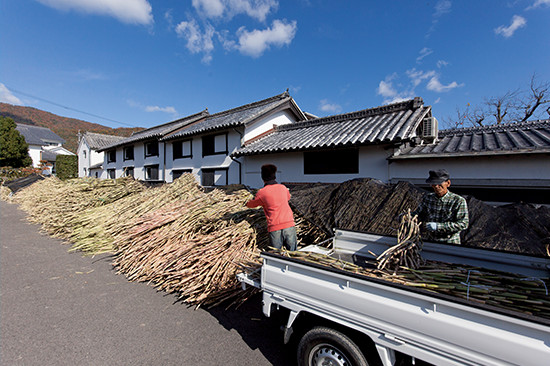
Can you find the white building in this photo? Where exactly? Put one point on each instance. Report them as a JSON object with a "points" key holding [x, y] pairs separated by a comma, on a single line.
{"points": [[401, 142], [200, 144], [337, 148], [44, 145], [90, 160]]}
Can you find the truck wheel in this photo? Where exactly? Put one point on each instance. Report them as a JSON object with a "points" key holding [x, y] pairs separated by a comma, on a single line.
{"points": [[326, 346]]}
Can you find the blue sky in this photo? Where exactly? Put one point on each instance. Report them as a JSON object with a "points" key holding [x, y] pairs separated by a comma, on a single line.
{"points": [[146, 62]]}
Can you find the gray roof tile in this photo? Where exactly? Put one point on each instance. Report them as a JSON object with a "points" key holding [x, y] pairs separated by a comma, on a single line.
{"points": [[233, 117], [158, 132], [36, 135], [385, 124], [98, 140], [513, 138]]}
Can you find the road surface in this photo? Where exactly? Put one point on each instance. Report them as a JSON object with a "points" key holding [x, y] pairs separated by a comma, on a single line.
{"points": [[60, 308]]}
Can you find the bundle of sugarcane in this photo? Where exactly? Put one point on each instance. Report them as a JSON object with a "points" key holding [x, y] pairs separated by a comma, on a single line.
{"points": [[193, 246], [503, 290], [407, 250], [55, 203], [5, 194], [95, 229]]}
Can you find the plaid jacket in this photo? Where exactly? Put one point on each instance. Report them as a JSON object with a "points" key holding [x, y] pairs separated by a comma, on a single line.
{"points": [[449, 212]]}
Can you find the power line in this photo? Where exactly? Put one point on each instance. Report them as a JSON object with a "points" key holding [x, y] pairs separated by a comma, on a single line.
{"points": [[65, 107]]}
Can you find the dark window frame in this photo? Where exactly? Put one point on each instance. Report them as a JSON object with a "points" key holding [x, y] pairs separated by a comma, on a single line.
{"points": [[111, 173], [213, 151], [148, 175], [176, 173], [325, 162], [180, 154], [146, 149], [128, 169], [213, 171], [111, 156], [125, 150]]}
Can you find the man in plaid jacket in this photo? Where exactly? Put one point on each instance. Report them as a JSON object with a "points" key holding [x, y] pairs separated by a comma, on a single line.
{"points": [[444, 214]]}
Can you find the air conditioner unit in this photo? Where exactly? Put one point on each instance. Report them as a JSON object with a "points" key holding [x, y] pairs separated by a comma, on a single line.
{"points": [[429, 128]]}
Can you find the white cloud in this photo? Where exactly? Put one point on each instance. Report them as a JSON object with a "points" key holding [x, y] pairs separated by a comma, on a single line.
{"points": [[442, 63], [155, 108], [423, 53], [325, 106], [435, 85], [257, 9], [539, 3], [127, 11], [442, 7], [517, 23], [256, 42], [418, 76], [197, 41], [6, 96]]}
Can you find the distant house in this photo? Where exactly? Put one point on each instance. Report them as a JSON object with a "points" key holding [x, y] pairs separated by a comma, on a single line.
{"points": [[44, 145], [200, 144], [340, 147], [90, 159], [506, 162]]}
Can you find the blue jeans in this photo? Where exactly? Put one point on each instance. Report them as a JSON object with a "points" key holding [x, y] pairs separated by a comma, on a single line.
{"points": [[286, 237]]}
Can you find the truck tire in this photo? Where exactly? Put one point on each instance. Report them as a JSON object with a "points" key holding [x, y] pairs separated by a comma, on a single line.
{"points": [[326, 346]]}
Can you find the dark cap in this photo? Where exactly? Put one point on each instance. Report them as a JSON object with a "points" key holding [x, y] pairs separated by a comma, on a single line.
{"points": [[268, 172], [438, 176]]}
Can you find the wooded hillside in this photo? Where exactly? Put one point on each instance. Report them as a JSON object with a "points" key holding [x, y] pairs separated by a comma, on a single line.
{"points": [[65, 127]]}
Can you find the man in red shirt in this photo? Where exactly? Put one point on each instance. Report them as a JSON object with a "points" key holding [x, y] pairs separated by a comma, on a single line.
{"points": [[274, 197]]}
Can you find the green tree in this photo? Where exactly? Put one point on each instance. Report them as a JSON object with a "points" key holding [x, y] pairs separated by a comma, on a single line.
{"points": [[66, 166], [14, 151]]}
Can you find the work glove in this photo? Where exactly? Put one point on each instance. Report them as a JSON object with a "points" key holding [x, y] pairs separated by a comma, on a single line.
{"points": [[431, 226]]}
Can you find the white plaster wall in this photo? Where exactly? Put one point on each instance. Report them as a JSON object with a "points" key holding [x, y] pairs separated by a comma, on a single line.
{"points": [[198, 162], [507, 167], [290, 167], [266, 124], [83, 162], [34, 152]]}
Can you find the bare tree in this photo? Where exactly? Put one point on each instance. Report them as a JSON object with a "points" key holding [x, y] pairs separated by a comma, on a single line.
{"points": [[537, 96], [512, 106]]}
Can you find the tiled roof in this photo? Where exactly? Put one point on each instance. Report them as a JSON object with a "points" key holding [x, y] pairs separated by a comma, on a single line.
{"points": [[98, 140], [158, 132], [36, 135], [385, 124], [233, 117], [513, 138]]}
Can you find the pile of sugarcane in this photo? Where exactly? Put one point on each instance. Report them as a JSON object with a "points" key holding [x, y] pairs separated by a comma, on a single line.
{"points": [[406, 253], [194, 246], [5, 193], [504, 290], [58, 204]]}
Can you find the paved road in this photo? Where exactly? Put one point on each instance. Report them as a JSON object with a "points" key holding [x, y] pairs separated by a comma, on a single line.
{"points": [[59, 308]]}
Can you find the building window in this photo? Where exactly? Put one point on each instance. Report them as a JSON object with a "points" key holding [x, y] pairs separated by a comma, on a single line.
{"points": [[111, 174], [214, 177], [152, 148], [214, 144], [111, 156], [345, 161], [129, 171], [128, 153], [84, 153], [182, 149], [179, 172], [152, 172]]}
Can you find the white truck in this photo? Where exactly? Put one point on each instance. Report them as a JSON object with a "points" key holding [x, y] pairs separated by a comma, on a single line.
{"points": [[341, 318]]}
